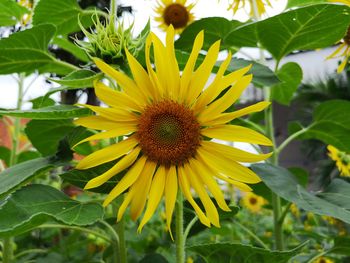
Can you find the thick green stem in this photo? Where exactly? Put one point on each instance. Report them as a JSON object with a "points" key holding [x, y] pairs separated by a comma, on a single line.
{"points": [[121, 234], [180, 241], [7, 252], [289, 139], [113, 12]]}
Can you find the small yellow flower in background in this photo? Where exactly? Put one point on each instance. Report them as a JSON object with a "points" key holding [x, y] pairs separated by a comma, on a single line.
{"points": [[253, 202], [29, 5], [295, 210], [164, 117], [346, 2], [234, 5], [342, 160], [330, 220], [174, 12], [323, 260]]}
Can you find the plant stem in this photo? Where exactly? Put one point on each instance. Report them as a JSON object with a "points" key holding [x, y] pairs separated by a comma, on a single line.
{"points": [[289, 139], [7, 252], [114, 243], [112, 12], [189, 226], [86, 230], [31, 251], [257, 239], [180, 241], [121, 234], [284, 213]]}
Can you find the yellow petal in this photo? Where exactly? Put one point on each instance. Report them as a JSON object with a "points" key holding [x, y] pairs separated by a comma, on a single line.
{"points": [[233, 153], [207, 178], [120, 166], [173, 76], [124, 205], [342, 65], [236, 133], [185, 188], [128, 85], [201, 75], [188, 70], [158, 91], [228, 167], [209, 206], [140, 75], [160, 61], [227, 117], [225, 101], [129, 178], [97, 123], [115, 98], [113, 114], [107, 154], [155, 195], [141, 188], [333, 55], [170, 196], [122, 130]]}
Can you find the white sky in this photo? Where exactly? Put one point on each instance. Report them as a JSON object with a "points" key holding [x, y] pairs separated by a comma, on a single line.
{"points": [[142, 11]]}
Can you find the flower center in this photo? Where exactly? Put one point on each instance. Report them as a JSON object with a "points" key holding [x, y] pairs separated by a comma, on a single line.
{"points": [[176, 15], [168, 133], [253, 200], [347, 37]]}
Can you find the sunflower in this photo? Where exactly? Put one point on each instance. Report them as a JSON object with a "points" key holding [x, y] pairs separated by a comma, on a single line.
{"points": [[253, 202], [323, 260], [260, 5], [341, 159], [342, 51], [174, 12], [166, 121]]}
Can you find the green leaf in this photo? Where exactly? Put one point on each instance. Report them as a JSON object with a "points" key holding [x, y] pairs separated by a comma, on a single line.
{"points": [[341, 246], [153, 258], [331, 124], [46, 134], [20, 174], [26, 51], [11, 12], [62, 14], [242, 36], [5, 154], [27, 155], [291, 76], [309, 27], [337, 193], [262, 75], [70, 47], [215, 28], [232, 252], [294, 3], [34, 204], [49, 113], [41, 102], [82, 78], [284, 184]]}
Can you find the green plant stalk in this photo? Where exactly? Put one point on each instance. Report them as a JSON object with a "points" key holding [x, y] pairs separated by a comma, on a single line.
{"points": [[115, 241], [257, 239], [112, 12], [180, 240], [7, 254], [121, 234], [290, 139]]}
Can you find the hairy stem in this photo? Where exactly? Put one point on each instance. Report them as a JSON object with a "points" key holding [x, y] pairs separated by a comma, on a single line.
{"points": [[121, 234], [257, 239], [180, 241]]}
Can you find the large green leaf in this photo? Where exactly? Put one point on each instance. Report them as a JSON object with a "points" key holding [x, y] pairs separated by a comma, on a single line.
{"points": [[70, 47], [331, 124], [11, 12], [46, 134], [34, 204], [242, 36], [338, 192], [49, 113], [215, 28], [294, 3], [5, 154], [26, 51], [309, 27], [20, 174], [290, 75], [231, 252], [62, 14], [79, 79], [283, 183]]}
